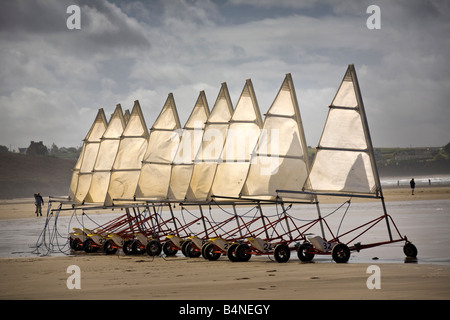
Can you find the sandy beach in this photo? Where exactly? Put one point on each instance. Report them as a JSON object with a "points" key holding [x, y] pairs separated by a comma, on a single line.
{"points": [[179, 278]]}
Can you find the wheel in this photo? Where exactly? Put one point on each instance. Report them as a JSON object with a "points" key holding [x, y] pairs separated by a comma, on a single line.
{"points": [[137, 247], [231, 252], [410, 250], [89, 246], [210, 252], [340, 253], [282, 253], [242, 252], [203, 249], [127, 247], [169, 249], [76, 245], [191, 251], [303, 253], [108, 247], [184, 246], [153, 248]]}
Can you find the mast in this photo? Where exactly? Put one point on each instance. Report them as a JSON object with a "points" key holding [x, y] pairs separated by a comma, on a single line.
{"points": [[365, 124]]}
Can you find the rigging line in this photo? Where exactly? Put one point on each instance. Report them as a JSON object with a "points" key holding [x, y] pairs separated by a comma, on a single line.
{"points": [[349, 202], [239, 215], [218, 205], [184, 220], [216, 223], [326, 216]]}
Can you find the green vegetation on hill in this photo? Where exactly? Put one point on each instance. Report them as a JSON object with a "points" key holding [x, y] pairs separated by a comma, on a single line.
{"points": [[409, 161]]}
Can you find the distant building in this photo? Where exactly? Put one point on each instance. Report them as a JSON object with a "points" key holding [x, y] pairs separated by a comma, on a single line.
{"points": [[37, 148]]}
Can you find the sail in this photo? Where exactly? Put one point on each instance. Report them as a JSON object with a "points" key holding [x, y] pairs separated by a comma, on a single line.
{"points": [[82, 173], [128, 161], [105, 158], [344, 161], [280, 158], [126, 116], [162, 145], [242, 135], [211, 147], [191, 139]]}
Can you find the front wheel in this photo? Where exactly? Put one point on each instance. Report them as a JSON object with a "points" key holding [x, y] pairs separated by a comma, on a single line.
{"points": [[153, 248], [138, 248], [169, 249], [76, 245], [231, 252], [191, 251], [242, 253], [109, 247], [340, 253], [282, 253], [89, 246], [210, 252], [410, 250], [303, 253], [127, 247]]}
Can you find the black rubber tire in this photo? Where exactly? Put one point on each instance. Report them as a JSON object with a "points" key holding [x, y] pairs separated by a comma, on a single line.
{"points": [[203, 249], [153, 248], [183, 248], [138, 248], [191, 251], [76, 245], [410, 250], [89, 246], [231, 252], [340, 253], [168, 249], [108, 247], [127, 249], [242, 252], [282, 253], [210, 253], [303, 253]]}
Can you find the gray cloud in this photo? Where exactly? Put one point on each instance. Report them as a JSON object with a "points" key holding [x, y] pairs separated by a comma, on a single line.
{"points": [[54, 79]]}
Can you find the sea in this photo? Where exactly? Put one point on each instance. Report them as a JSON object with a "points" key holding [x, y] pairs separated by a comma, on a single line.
{"points": [[421, 181]]}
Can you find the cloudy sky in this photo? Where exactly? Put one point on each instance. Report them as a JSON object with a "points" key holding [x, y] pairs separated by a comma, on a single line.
{"points": [[53, 79]]}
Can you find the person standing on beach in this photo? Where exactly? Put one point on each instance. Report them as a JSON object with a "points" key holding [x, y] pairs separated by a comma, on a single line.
{"points": [[39, 202], [412, 183]]}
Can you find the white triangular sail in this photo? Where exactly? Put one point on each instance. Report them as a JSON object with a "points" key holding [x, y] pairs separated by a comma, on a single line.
{"points": [[109, 146], [127, 164], [82, 173], [162, 146], [243, 133], [211, 147], [191, 139], [344, 162], [280, 158]]}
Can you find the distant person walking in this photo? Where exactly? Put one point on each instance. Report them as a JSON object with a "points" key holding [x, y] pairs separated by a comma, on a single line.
{"points": [[412, 183], [39, 202]]}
